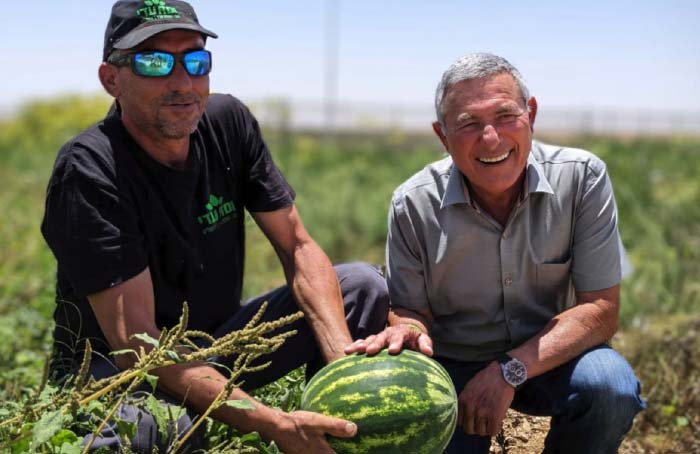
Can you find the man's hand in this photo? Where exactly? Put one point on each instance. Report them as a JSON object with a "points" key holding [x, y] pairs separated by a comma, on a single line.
{"points": [[303, 432], [394, 338], [484, 401]]}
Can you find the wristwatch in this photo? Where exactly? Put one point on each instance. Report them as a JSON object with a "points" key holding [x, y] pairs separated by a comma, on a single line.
{"points": [[513, 370]]}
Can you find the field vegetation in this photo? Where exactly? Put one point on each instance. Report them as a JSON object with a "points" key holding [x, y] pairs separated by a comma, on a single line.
{"points": [[343, 189]]}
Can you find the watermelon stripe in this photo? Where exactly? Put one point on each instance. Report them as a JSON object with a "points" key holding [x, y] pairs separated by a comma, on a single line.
{"points": [[402, 404]]}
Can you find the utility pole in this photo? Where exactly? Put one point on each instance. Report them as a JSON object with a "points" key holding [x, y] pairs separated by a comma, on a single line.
{"points": [[332, 39]]}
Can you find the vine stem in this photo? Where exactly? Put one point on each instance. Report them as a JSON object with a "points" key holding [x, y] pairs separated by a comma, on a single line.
{"points": [[109, 415]]}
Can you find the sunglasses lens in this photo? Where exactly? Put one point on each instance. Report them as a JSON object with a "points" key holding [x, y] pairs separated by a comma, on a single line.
{"points": [[198, 62], [153, 64]]}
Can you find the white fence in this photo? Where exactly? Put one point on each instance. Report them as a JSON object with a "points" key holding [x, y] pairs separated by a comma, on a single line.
{"points": [[294, 115]]}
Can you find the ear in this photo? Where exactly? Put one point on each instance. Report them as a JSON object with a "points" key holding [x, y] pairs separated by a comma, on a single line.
{"points": [[108, 78], [532, 112], [437, 128]]}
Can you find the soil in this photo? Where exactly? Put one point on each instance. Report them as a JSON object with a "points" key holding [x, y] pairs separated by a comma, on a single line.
{"points": [[523, 434]]}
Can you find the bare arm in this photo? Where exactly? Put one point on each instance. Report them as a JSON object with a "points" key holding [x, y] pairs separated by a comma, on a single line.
{"points": [[311, 277], [486, 398], [128, 309], [591, 322]]}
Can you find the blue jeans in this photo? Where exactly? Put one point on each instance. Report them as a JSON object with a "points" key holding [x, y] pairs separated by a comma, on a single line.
{"points": [[592, 400]]}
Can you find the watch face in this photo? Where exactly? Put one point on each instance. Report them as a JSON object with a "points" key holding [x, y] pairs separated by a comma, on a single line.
{"points": [[514, 372]]}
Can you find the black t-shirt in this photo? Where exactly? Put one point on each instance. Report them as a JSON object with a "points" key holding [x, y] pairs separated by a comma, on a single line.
{"points": [[112, 211]]}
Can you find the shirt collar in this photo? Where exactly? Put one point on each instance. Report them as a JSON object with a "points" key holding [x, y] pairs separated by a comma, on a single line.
{"points": [[536, 178], [456, 191]]}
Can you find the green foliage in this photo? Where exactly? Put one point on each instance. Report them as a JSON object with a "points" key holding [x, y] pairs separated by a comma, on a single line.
{"points": [[658, 195], [51, 417], [665, 355]]}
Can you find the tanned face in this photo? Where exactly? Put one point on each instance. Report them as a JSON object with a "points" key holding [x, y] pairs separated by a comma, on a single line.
{"points": [[488, 133], [164, 108]]}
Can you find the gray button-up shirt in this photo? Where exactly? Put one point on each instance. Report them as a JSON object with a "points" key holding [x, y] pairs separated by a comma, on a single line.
{"points": [[491, 287]]}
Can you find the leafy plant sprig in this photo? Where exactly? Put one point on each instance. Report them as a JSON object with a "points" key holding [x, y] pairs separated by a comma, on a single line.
{"points": [[51, 410]]}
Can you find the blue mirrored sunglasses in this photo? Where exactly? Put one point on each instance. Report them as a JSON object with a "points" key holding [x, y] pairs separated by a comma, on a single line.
{"points": [[156, 63]]}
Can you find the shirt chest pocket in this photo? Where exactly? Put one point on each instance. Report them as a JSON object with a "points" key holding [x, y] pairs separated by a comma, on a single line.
{"points": [[553, 283]]}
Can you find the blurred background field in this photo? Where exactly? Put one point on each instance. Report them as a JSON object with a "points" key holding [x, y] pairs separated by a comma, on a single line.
{"points": [[344, 182]]}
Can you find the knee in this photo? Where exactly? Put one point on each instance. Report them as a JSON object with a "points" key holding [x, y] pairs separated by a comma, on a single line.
{"points": [[364, 281], [607, 383], [365, 296]]}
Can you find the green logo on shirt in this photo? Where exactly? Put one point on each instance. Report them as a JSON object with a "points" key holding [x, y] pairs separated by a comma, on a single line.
{"points": [[157, 9], [218, 213]]}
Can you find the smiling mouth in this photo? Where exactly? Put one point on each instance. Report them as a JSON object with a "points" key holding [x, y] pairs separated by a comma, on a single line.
{"points": [[495, 159]]}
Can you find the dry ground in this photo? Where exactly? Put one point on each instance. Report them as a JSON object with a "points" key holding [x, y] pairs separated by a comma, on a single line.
{"points": [[524, 434]]}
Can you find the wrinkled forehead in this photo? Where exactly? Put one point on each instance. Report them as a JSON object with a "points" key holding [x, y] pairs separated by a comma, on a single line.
{"points": [[497, 91]]}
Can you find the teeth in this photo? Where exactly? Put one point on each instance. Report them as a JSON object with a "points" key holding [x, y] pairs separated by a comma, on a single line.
{"points": [[496, 159]]}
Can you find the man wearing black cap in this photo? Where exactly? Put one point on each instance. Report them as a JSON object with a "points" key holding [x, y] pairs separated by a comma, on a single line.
{"points": [[144, 211]]}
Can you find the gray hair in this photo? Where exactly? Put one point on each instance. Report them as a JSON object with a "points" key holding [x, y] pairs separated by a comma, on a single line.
{"points": [[471, 67]]}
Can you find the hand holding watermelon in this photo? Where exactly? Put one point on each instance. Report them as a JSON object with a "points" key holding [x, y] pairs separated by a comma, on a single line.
{"points": [[312, 428]]}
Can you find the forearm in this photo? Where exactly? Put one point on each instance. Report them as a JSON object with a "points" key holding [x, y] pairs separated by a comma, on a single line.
{"points": [[568, 335], [198, 385], [317, 292]]}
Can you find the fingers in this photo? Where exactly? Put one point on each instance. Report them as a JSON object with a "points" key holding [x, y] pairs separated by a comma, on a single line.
{"points": [[371, 345], [341, 428], [425, 345], [393, 338], [329, 425]]}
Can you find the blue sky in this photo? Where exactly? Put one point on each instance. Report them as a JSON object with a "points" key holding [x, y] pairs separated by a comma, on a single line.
{"points": [[630, 55]]}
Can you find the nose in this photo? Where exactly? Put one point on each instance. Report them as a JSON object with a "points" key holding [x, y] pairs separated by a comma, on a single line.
{"points": [[178, 80], [490, 137]]}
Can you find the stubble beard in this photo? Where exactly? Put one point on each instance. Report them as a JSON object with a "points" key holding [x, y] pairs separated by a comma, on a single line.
{"points": [[177, 129]]}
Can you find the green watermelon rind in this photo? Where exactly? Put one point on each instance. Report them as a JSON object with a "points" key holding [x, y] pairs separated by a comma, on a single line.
{"points": [[412, 407]]}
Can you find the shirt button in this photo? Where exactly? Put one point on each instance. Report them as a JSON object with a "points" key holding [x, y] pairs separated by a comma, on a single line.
{"points": [[508, 281]]}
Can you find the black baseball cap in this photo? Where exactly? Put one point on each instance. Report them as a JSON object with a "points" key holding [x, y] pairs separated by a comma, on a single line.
{"points": [[134, 21]]}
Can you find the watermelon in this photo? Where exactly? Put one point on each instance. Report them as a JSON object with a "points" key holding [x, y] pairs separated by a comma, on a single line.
{"points": [[403, 403]]}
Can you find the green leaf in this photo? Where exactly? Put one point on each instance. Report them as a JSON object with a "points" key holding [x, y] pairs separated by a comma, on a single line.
{"points": [[252, 437], [151, 379], [47, 392], [48, 426], [143, 337], [71, 448], [22, 444], [94, 407], [126, 428], [272, 448], [160, 416], [63, 436], [681, 421], [241, 404], [668, 410]]}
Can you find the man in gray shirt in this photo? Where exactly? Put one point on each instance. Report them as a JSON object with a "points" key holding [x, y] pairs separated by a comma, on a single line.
{"points": [[504, 263]]}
